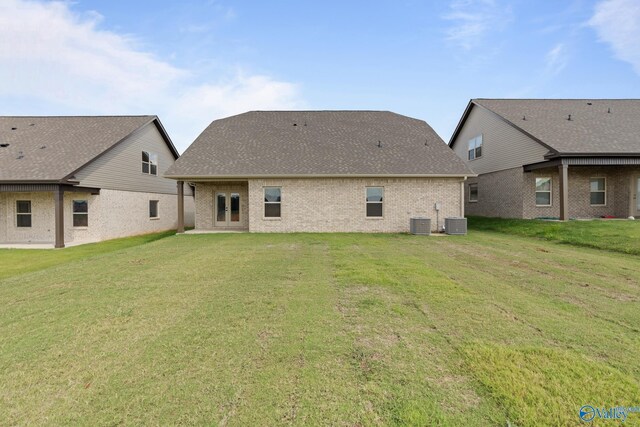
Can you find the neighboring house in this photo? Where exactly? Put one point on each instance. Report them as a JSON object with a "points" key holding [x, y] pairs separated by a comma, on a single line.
{"points": [[551, 158], [84, 179], [320, 171]]}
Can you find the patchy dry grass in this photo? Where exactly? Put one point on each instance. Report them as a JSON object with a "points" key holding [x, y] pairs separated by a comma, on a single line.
{"points": [[321, 329]]}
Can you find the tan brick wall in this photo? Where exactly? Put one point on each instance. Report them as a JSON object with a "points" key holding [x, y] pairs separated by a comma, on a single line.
{"points": [[111, 214], [499, 194], [338, 204], [205, 202]]}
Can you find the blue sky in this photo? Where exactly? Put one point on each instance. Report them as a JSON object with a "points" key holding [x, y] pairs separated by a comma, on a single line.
{"points": [[191, 62]]}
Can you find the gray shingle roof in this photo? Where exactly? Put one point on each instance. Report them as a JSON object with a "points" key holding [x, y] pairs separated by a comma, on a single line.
{"points": [[343, 143], [69, 143], [592, 129]]}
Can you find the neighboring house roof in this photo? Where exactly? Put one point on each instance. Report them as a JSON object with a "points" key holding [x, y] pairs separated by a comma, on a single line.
{"points": [[317, 143], [597, 126], [52, 149]]}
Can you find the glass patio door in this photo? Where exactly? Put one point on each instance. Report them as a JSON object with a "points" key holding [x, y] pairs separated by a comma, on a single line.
{"points": [[227, 209]]}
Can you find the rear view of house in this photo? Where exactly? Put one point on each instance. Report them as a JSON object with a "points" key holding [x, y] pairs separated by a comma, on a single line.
{"points": [[321, 171], [557, 158], [85, 179]]}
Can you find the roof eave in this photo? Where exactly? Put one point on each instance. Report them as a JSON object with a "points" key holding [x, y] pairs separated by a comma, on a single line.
{"points": [[461, 123]]}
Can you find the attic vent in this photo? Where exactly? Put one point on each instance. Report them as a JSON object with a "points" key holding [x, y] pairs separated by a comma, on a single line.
{"points": [[14, 128], [4, 145], [589, 103], [569, 118], [43, 147], [295, 124], [609, 110]]}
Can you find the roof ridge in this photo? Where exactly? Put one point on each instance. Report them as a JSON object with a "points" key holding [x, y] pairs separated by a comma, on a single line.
{"points": [[79, 117], [555, 99]]}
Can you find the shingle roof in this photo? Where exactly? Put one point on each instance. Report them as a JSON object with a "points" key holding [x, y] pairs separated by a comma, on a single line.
{"points": [[597, 126], [51, 148], [299, 143]]}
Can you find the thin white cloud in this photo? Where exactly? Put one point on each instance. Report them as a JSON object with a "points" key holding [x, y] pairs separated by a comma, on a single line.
{"points": [[61, 62], [617, 23], [556, 59], [473, 20]]}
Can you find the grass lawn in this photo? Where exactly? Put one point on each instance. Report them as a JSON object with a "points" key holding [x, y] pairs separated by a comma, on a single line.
{"points": [[612, 235], [334, 329]]}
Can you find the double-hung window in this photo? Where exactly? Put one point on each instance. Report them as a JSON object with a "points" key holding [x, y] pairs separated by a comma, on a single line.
{"points": [[543, 191], [149, 163], [80, 213], [153, 209], [23, 213], [473, 192], [375, 196], [475, 148], [598, 191], [272, 202]]}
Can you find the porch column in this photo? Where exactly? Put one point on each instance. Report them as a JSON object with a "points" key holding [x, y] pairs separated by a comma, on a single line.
{"points": [[180, 207], [564, 191], [58, 198]]}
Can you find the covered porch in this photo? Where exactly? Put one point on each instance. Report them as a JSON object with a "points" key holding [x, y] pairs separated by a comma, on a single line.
{"points": [[33, 215], [220, 206], [583, 187]]}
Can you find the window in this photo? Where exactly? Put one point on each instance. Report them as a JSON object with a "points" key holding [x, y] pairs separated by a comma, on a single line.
{"points": [[153, 209], [374, 202], [80, 213], [23, 213], [272, 202], [475, 148], [149, 163], [543, 191], [473, 192], [598, 190]]}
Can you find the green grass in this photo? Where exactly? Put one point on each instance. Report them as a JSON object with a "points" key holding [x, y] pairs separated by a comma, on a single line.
{"points": [[612, 235], [18, 261], [309, 329]]}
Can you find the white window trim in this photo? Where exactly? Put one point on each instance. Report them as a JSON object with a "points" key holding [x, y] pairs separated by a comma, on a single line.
{"points": [[153, 218], [73, 214], [475, 147], [264, 203], [30, 213], [476, 199], [367, 202], [550, 191], [150, 154], [599, 191]]}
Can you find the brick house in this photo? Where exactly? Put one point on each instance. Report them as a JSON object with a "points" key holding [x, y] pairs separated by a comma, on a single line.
{"points": [[85, 179], [320, 171], [551, 158]]}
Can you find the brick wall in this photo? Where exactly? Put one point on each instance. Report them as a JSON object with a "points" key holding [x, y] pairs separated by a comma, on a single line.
{"points": [[618, 192], [338, 204], [499, 194], [111, 214]]}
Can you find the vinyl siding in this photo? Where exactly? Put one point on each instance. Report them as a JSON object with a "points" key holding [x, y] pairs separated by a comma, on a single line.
{"points": [[121, 167], [503, 147]]}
